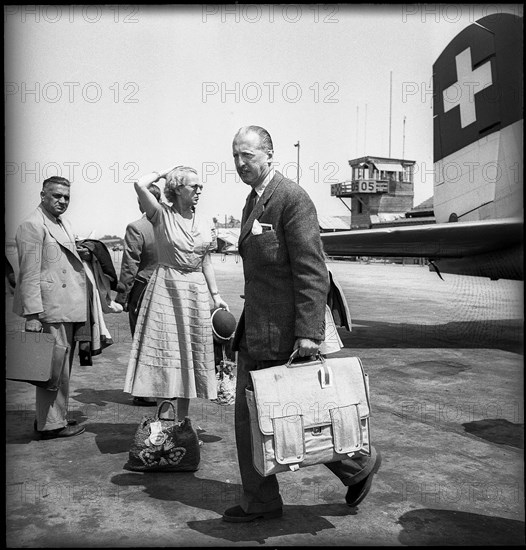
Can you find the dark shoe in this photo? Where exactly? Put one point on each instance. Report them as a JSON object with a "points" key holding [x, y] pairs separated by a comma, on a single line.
{"points": [[71, 422], [68, 431], [236, 514], [143, 402], [356, 493]]}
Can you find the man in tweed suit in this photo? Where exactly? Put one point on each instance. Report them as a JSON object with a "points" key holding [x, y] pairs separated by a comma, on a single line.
{"points": [[286, 286]]}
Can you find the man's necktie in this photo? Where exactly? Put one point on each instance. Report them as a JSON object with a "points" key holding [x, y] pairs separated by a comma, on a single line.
{"points": [[61, 225]]}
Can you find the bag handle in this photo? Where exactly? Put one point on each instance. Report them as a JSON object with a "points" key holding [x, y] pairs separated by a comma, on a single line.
{"points": [[324, 372], [159, 410], [318, 358]]}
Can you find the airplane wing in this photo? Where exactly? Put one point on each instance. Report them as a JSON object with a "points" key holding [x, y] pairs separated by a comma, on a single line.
{"points": [[441, 240], [468, 240], [228, 240]]}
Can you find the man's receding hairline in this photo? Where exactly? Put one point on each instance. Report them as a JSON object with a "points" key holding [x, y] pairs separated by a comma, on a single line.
{"points": [[246, 131], [53, 184]]}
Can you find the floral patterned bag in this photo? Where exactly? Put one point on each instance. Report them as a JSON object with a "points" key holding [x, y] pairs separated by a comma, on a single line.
{"points": [[164, 445], [226, 381]]}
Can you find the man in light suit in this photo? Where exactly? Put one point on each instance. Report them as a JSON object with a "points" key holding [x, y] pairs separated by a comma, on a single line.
{"points": [[51, 294], [286, 286], [139, 261]]}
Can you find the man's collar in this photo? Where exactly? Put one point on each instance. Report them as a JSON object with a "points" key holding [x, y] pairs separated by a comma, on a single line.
{"points": [[261, 187], [55, 219]]}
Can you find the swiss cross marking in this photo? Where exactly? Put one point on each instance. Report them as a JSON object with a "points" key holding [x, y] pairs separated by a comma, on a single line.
{"points": [[469, 83]]}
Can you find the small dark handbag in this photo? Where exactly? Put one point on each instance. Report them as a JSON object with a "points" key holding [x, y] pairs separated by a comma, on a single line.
{"points": [[164, 445]]}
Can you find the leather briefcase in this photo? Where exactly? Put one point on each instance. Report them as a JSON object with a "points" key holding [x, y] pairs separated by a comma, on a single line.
{"points": [[36, 358], [308, 413]]}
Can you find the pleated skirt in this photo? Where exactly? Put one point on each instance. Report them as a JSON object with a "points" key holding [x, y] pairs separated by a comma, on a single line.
{"points": [[172, 352]]}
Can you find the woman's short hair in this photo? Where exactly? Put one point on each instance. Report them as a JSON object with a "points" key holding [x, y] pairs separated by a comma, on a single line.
{"points": [[176, 178]]}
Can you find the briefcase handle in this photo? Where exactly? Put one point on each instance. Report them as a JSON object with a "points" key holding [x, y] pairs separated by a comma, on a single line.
{"points": [[313, 359], [324, 372]]}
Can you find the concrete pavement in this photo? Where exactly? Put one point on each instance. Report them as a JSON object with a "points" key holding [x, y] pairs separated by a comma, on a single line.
{"points": [[445, 361]]}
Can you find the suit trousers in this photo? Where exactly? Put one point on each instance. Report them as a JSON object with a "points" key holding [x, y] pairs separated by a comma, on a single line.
{"points": [[261, 493], [134, 302], [52, 406]]}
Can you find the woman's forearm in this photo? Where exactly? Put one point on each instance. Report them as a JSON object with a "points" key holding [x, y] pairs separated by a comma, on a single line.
{"points": [[147, 200]]}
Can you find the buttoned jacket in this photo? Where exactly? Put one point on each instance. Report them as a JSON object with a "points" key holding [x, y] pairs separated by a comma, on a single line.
{"points": [[286, 279], [51, 280]]}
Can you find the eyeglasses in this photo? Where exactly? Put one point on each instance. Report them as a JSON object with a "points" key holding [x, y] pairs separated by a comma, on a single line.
{"points": [[195, 187]]}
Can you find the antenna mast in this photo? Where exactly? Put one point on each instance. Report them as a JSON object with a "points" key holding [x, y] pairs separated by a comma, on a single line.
{"points": [[390, 107], [403, 141], [365, 132], [357, 122]]}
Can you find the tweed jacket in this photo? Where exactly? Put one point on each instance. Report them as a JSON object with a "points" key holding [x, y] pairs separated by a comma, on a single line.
{"points": [[286, 279], [51, 280], [139, 258]]}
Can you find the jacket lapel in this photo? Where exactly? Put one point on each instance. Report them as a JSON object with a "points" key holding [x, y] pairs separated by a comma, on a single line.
{"points": [[260, 206], [60, 234]]}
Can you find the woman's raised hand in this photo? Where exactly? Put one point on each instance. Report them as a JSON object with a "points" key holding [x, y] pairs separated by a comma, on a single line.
{"points": [[164, 173]]}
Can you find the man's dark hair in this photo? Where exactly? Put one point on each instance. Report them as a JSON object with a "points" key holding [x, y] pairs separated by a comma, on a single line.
{"points": [[55, 180], [264, 136], [155, 191]]}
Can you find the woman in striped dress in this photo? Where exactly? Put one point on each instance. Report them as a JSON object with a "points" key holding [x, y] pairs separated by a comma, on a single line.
{"points": [[172, 355]]}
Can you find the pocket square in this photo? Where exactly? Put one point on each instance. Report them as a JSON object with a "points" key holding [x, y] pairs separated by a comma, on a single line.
{"points": [[256, 228]]}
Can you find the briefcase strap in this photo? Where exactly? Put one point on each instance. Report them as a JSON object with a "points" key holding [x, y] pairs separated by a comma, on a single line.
{"points": [[324, 372]]}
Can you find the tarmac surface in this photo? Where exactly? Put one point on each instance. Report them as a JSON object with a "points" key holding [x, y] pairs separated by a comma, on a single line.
{"points": [[445, 362]]}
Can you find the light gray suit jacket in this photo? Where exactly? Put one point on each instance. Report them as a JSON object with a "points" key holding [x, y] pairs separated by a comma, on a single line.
{"points": [[286, 279], [51, 280]]}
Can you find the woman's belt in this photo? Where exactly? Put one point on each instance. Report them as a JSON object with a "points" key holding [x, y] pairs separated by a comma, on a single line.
{"points": [[181, 269]]}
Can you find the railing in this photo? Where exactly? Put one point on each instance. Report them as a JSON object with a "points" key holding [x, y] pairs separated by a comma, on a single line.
{"points": [[361, 186]]}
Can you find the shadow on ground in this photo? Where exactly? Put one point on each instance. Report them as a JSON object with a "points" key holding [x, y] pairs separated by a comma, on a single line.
{"points": [[497, 430], [102, 398], [507, 335], [426, 527], [217, 496]]}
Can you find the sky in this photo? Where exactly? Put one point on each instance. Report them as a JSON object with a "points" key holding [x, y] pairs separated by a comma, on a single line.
{"points": [[102, 94]]}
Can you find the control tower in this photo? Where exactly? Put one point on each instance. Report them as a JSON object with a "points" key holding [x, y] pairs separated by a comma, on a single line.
{"points": [[381, 190]]}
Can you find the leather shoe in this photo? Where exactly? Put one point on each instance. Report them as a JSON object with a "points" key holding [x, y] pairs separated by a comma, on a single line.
{"points": [[357, 492], [71, 422], [236, 514], [67, 431], [143, 402]]}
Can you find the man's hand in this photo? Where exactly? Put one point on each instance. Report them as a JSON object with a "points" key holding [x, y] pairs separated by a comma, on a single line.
{"points": [[84, 253], [122, 297], [307, 347], [33, 325], [123, 303]]}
